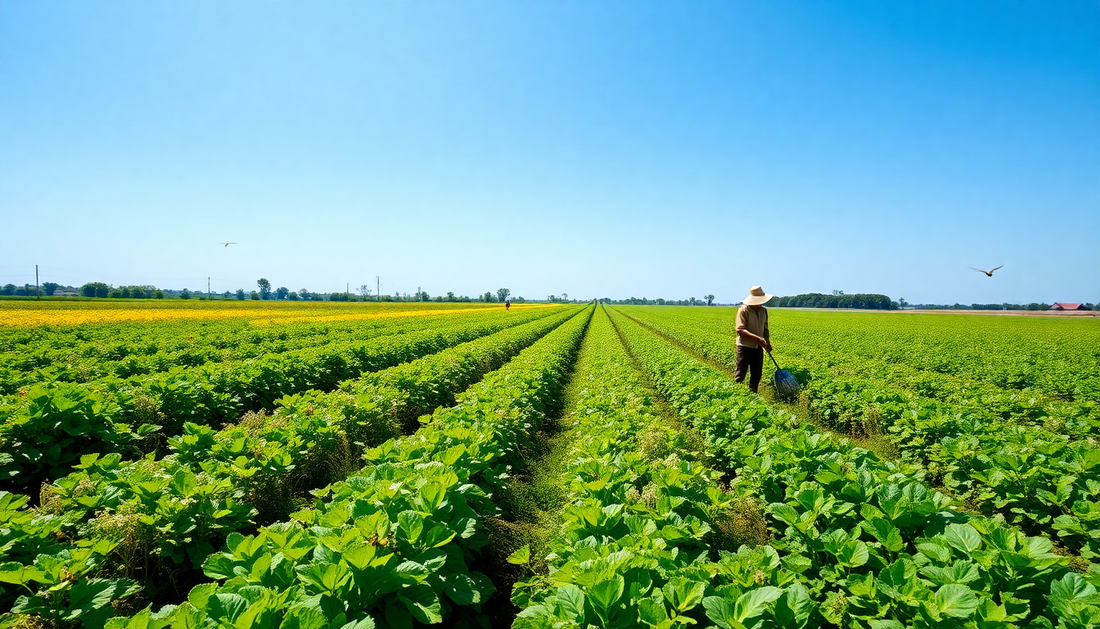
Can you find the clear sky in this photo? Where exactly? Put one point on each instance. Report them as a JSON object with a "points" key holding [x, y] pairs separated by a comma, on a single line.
{"points": [[637, 148]]}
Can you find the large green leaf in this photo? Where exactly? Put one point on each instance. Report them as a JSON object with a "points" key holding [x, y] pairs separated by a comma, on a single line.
{"points": [[721, 612], [423, 603], [605, 594], [794, 607], [462, 589], [571, 603], [411, 524], [885, 533], [684, 594], [226, 607], [963, 538], [302, 617], [755, 602], [956, 600]]}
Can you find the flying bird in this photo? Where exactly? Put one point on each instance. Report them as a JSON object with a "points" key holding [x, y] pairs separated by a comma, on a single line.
{"points": [[988, 273], [226, 244]]}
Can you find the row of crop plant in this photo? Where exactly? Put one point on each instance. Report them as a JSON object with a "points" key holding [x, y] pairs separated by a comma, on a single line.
{"points": [[1040, 356], [640, 537], [873, 544], [1046, 482], [847, 390], [86, 353], [395, 542], [151, 523], [897, 357], [53, 425]]}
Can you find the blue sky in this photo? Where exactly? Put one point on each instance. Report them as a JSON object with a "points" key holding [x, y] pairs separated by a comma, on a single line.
{"points": [[618, 149]]}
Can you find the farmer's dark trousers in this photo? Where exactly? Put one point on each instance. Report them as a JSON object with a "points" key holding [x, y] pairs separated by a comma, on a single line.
{"points": [[749, 360]]}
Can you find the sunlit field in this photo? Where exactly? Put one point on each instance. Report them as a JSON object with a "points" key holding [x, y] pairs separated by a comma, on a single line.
{"points": [[549, 465], [29, 313]]}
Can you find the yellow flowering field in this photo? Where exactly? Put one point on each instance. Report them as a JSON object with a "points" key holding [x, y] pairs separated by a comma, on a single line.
{"points": [[32, 313]]}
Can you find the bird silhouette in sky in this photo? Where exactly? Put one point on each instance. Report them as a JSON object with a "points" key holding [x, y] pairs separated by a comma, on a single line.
{"points": [[226, 244], [988, 273]]}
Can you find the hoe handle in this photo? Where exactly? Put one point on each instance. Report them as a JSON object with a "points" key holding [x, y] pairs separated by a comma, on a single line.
{"points": [[773, 361]]}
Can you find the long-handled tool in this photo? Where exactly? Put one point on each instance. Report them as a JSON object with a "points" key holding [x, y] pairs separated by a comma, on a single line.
{"points": [[785, 383]]}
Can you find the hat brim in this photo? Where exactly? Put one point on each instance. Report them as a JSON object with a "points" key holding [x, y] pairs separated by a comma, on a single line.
{"points": [[757, 300]]}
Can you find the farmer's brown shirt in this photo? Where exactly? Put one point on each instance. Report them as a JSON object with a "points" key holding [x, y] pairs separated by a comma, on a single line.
{"points": [[755, 322]]}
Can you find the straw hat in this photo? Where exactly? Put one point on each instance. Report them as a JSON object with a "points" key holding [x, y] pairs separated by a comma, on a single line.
{"points": [[756, 297]]}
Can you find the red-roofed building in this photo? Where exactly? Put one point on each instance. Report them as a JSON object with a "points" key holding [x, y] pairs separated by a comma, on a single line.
{"points": [[1061, 306]]}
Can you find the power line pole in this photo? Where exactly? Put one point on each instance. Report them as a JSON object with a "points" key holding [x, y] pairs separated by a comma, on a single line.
{"points": [[208, 287], [377, 288], [36, 295]]}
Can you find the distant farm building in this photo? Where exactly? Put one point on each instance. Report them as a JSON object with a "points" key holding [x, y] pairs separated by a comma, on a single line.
{"points": [[1062, 306]]}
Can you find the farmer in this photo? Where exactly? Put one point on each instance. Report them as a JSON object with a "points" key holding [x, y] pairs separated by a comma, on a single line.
{"points": [[508, 303], [753, 337]]}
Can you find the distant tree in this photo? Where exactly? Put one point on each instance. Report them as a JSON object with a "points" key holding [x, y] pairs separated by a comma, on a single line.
{"points": [[49, 288], [364, 291], [818, 300], [710, 300], [281, 292], [305, 295], [185, 294], [488, 297], [292, 296], [240, 294], [93, 289], [902, 303], [254, 296], [502, 294], [519, 300], [158, 294], [423, 296], [565, 296], [265, 288], [551, 298], [450, 296], [9, 289]]}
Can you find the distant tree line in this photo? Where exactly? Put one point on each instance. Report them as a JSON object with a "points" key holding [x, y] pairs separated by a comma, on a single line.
{"points": [[99, 289], [26, 290], [643, 301], [861, 301], [1033, 306]]}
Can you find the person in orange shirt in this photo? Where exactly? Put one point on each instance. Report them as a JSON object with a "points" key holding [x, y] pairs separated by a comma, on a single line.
{"points": [[753, 337]]}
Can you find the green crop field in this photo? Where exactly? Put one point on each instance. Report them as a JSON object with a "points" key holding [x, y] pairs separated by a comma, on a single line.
{"points": [[575, 465]]}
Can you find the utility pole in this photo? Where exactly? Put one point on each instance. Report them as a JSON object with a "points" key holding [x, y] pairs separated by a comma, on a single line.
{"points": [[377, 288], [347, 290], [417, 293], [208, 287], [36, 295]]}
